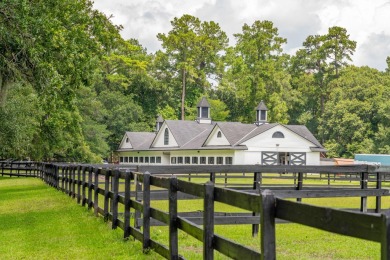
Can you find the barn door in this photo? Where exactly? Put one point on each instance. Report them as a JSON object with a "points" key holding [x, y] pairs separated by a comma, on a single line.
{"points": [[269, 158], [297, 158]]}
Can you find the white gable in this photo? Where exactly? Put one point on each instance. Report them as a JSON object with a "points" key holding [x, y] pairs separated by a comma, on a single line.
{"points": [[125, 144], [291, 142], [216, 137], [159, 140]]}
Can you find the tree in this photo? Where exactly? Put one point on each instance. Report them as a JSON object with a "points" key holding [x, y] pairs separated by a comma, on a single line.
{"points": [[255, 71], [193, 50], [54, 46], [356, 115], [321, 59]]}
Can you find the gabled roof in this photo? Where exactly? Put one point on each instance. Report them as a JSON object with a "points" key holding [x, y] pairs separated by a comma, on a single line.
{"points": [[186, 132], [257, 130], [191, 135], [159, 119], [302, 131], [235, 131], [203, 103], [261, 106], [140, 140]]}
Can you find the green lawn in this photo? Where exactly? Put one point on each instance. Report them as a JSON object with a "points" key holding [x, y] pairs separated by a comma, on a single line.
{"points": [[39, 222]]}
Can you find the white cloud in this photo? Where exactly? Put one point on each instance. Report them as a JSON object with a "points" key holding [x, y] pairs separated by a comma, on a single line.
{"points": [[365, 21]]}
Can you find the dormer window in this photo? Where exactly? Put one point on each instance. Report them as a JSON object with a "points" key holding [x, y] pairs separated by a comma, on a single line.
{"points": [[166, 137], [219, 134], [278, 135]]}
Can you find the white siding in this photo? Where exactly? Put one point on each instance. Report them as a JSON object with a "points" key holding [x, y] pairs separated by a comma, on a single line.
{"points": [[290, 143], [159, 141], [313, 158], [215, 140], [124, 144]]}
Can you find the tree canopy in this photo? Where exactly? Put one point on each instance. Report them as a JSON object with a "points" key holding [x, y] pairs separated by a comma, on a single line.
{"points": [[70, 85]]}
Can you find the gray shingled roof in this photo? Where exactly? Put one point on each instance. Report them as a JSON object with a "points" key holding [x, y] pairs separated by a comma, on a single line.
{"points": [[191, 135], [302, 130], [141, 140], [203, 103], [256, 131], [235, 131], [261, 106], [159, 119], [185, 132]]}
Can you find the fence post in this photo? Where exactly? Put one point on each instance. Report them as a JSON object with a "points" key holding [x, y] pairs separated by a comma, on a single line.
{"points": [[96, 192], [385, 244], [73, 181], [83, 186], [90, 187], [256, 186], [300, 184], [66, 179], [363, 186], [173, 233], [57, 177], [267, 221], [137, 213], [212, 177], [378, 198], [115, 198], [208, 221], [106, 193], [127, 204], [146, 211], [78, 184]]}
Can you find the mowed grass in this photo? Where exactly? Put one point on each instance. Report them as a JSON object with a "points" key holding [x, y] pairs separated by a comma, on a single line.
{"points": [[39, 222]]}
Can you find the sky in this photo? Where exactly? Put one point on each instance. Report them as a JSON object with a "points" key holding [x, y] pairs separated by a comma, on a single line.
{"points": [[367, 22]]}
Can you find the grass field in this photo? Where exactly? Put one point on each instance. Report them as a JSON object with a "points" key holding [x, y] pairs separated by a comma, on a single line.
{"points": [[38, 222]]}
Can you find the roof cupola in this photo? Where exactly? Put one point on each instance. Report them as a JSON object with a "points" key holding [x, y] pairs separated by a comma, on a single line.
{"points": [[159, 122], [204, 112], [261, 113]]}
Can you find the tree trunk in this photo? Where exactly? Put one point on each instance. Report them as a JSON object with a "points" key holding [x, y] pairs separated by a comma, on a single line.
{"points": [[183, 94]]}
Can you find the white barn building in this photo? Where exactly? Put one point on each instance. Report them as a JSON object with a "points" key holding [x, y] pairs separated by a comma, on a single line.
{"points": [[206, 142]]}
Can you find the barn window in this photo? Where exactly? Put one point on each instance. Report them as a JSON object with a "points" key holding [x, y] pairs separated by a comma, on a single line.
{"points": [[219, 160], [211, 160], [166, 137], [219, 134], [127, 139], [187, 160], [229, 160], [180, 160], [173, 160], [278, 135], [202, 160]]}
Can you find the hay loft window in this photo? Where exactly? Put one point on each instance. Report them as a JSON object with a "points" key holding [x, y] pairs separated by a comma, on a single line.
{"points": [[219, 134], [166, 136], [127, 139], [278, 135]]}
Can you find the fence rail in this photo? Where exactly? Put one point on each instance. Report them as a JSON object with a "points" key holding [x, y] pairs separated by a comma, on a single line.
{"points": [[106, 189]]}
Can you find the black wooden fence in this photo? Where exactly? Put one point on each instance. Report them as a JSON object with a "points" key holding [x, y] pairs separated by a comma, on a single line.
{"points": [[85, 183]]}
